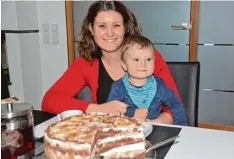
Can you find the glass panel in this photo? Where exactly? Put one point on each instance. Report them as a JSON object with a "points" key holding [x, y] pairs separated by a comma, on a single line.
{"points": [[217, 67], [216, 108], [156, 18], [173, 53], [216, 22]]}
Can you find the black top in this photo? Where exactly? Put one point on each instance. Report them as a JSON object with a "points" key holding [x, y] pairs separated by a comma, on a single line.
{"points": [[104, 84]]}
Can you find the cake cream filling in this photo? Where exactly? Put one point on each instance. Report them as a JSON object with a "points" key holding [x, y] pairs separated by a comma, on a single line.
{"points": [[120, 152], [122, 129], [134, 135], [67, 144]]}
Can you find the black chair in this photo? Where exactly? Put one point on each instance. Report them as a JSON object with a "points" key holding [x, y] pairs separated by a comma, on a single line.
{"points": [[187, 77]]}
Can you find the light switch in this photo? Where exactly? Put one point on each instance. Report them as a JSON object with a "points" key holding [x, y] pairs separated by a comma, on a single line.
{"points": [[46, 33], [54, 34]]}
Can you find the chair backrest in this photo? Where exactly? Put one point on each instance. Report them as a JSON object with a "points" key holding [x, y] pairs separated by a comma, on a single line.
{"points": [[187, 77]]}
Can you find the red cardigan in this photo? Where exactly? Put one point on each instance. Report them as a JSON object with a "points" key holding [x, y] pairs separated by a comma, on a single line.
{"points": [[61, 96]]}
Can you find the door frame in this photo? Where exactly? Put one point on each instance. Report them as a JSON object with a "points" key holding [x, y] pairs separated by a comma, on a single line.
{"points": [[193, 36], [194, 10], [70, 31]]}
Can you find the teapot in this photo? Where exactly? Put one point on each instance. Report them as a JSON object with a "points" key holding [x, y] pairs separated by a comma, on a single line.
{"points": [[17, 124]]}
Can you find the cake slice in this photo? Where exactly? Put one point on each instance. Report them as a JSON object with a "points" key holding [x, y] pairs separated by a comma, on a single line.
{"points": [[126, 144]]}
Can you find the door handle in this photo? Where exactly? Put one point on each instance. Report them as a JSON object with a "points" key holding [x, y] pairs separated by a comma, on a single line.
{"points": [[182, 26]]}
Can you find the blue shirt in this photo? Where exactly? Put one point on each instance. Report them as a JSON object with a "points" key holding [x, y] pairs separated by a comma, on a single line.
{"points": [[163, 95]]}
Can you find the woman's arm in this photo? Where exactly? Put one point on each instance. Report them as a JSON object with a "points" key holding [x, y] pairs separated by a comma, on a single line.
{"points": [[162, 71], [62, 95]]}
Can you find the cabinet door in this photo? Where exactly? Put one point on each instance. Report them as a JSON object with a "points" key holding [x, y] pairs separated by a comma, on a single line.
{"points": [[162, 23], [216, 23]]}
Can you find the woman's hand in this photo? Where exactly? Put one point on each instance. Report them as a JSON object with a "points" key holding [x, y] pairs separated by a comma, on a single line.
{"points": [[113, 107], [141, 114]]}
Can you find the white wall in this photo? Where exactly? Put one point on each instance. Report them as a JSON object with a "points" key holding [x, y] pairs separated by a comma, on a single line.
{"points": [[54, 57], [34, 66]]}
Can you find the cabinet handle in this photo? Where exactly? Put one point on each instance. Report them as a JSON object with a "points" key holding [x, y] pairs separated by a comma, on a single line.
{"points": [[182, 26]]}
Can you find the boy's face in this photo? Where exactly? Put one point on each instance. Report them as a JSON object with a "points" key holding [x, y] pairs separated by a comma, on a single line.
{"points": [[139, 63]]}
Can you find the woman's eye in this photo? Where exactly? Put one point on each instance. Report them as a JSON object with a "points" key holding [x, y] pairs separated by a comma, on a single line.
{"points": [[116, 25], [136, 59], [101, 26]]}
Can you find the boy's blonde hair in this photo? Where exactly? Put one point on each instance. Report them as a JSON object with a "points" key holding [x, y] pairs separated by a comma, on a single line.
{"points": [[129, 42]]}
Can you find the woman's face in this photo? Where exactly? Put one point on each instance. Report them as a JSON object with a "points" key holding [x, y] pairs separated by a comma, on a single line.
{"points": [[108, 30]]}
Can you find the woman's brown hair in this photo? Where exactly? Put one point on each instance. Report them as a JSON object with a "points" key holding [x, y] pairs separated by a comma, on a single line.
{"points": [[87, 47]]}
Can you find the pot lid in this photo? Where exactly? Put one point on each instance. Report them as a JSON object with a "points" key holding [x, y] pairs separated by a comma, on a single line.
{"points": [[10, 110]]}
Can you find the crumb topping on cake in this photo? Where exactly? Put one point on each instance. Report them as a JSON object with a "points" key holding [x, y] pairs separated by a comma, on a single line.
{"points": [[91, 134]]}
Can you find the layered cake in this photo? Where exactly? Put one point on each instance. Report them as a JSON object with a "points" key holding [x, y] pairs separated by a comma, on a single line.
{"points": [[95, 135]]}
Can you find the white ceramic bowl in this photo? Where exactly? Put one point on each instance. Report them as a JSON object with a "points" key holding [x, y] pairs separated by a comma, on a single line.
{"points": [[69, 113]]}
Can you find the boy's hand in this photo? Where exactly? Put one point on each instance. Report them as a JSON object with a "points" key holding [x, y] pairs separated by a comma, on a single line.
{"points": [[141, 114], [113, 107]]}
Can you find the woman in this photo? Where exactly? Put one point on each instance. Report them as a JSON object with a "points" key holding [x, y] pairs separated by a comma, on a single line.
{"points": [[104, 28]]}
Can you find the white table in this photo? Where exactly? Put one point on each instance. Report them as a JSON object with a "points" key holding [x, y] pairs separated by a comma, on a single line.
{"points": [[193, 143], [199, 143]]}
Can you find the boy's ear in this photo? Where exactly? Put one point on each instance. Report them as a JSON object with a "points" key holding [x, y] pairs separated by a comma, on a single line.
{"points": [[123, 65]]}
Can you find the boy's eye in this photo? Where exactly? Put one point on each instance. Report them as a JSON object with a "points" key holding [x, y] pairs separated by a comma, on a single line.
{"points": [[136, 59], [149, 59]]}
